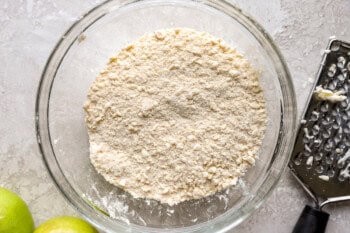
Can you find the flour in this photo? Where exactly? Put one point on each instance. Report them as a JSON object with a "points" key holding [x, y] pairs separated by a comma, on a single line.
{"points": [[177, 115]]}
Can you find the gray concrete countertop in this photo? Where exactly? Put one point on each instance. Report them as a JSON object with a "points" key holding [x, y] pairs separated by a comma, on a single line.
{"points": [[29, 30]]}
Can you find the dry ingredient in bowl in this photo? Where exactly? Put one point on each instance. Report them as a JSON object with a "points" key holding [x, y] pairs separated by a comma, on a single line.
{"points": [[177, 115]]}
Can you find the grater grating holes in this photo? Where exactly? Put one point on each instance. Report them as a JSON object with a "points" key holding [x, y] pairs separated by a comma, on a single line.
{"points": [[326, 134]]}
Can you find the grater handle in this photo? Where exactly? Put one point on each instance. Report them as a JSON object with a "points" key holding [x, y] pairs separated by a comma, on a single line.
{"points": [[311, 220]]}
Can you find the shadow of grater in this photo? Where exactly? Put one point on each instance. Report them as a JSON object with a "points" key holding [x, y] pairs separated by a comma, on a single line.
{"points": [[321, 157]]}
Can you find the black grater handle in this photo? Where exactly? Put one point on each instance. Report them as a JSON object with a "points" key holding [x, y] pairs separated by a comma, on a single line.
{"points": [[311, 220]]}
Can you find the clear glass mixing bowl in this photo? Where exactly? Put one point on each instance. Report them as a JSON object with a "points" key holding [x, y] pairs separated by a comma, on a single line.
{"points": [[75, 62]]}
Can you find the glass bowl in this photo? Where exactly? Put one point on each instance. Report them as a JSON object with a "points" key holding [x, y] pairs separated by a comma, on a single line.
{"points": [[62, 136]]}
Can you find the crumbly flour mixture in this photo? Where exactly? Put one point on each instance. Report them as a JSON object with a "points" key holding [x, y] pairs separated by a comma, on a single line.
{"points": [[176, 115]]}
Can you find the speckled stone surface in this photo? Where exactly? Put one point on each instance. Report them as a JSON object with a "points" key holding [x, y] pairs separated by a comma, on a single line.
{"points": [[30, 28]]}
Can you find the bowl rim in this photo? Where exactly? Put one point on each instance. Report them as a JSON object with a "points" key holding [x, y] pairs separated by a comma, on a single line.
{"points": [[283, 146]]}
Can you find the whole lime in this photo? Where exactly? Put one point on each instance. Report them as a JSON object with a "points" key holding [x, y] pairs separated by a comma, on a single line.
{"points": [[14, 214], [65, 224]]}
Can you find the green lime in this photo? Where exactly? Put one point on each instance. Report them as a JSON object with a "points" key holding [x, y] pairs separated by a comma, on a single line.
{"points": [[65, 224], [14, 214]]}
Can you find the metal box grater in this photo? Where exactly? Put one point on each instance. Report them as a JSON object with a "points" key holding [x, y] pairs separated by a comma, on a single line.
{"points": [[321, 157]]}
